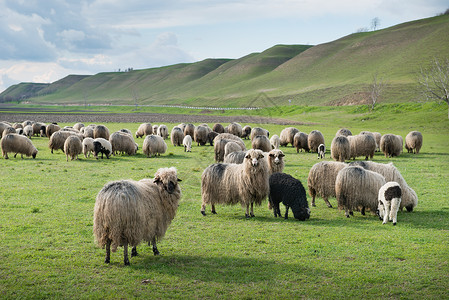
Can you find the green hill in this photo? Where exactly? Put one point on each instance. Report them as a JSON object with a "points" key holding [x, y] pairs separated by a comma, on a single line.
{"points": [[335, 73]]}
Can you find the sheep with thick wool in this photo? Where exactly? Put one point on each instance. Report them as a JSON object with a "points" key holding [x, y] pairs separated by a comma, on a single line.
{"points": [[102, 146], [287, 136], [122, 143], [52, 128], [73, 147], [220, 142], [231, 147], [162, 131], [218, 128], [101, 131], [389, 201], [391, 145], [275, 141], [256, 131], [362, 145], [154, 145], [144, 130], [246, 132], [343, 131], [17, 144], [88, 146], [413, 142], [261, 142], [190, 130], [39, 129], [200, 134], [300, 142], [321, 180], [88, 131], [58, 138], [230, 184], [128, 212], [275, 159], [235, 129], [3, 126], [9, 129], [176, 136], [357, 189], [28, 131], [340, 148], [314, 140], [78, 126]]}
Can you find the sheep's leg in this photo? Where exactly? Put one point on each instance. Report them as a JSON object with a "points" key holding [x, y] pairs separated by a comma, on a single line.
{"points": [[347, 213], [203, 209], [247, 211], [5, 154], [363, 211], [277, 211], [134, 251], [252, 209], [387, 212], [155, 251], [213, 209], [313, 200], [125, 254], [108, 252], [286, 212], [327, 202], [394, 210]]}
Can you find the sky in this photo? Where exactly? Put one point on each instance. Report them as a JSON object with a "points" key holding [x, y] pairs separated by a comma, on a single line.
{"points": [[46, 40]]}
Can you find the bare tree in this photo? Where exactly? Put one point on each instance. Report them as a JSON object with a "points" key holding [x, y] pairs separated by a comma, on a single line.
{"points": [[375, 23], [376, 89], [434, 82]]}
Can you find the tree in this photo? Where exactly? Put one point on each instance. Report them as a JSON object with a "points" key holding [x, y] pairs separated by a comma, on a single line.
{"points": [[375, 23], [434, 82], [376, 89]]}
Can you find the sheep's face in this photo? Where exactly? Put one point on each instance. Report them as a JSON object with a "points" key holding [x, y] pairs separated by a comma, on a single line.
{"points": [[276, 156], [254, 157], [167, 179], [380, 210]]}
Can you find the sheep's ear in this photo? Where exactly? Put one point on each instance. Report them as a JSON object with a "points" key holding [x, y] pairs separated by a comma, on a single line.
{"points": [[157, 179], [247, 156], [179, 180], [261, 156], [271, 155], [281, 155]]}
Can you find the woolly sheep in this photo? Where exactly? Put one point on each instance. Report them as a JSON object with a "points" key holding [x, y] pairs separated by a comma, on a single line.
{"points": [[314, 139], [17, 144], [154, 145], [187, 142], [162, 131], [72, 147], [102, 146], [321, 180], [181, 126], [211, 136], [28, 131], [52, 128], [275, 141], [78, 126], [287, 136], [220, 142], [391, 173], [391, 145], [231, 147], [362, 145], [344, 132], [128, 212], [27, 122], [125, 130], [19, 131], [39, 129], [358, 189], [413, 142], [9, 129], [235, 157], [321, 151], [218, 128], [200, 134], [261, 142], [101, 131], [340, 149], [377, 137], [275, 160], [290, 191], [246, 132], [123, 143], [144, 130], [300, 142], [389, 201], [256, 131], [3, 126], [15, 125], [177, 136], [230, 184], [155, 127], [88, 146], [88, 131], [58, 138], [190, 130], [235, 129]]}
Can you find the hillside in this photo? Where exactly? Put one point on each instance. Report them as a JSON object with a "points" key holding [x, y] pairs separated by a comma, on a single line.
{"points": [[334, 73]]}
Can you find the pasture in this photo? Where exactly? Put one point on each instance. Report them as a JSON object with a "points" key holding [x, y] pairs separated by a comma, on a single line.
{"points": [[47, 248]]}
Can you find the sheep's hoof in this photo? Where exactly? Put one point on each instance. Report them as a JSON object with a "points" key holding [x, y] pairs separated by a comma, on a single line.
{"points": [[107, 260], [351, 213], [126, 262], [313, 204], [347, 216], [156, 252], [214, 212], [134, 252], [247, 216], [203, 213], [383, 223], [394, 224]]}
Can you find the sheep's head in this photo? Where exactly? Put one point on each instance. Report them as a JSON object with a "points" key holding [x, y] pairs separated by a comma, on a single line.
{"points": [[255, 157], [380, 210], [276, 156], [168, 179]]}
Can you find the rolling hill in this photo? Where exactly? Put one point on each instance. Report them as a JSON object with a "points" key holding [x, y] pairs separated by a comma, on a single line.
{"points": [[335, 73]]}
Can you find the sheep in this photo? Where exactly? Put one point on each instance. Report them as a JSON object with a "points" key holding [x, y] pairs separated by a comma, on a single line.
{"points": [[389, 201], [37, 129], [231, 147], [391, 145], [218, 128], [321, 151], [72, 147], [3, 126], [190, 130], [230, 184], [19, 131], [128, 212], [377, 137], [391, 173], [256, 131], [71, 129], [102, 146], [88, 146], [235, 129], [220, 142], [246, 132], [101, 131], [340, 149], [52, 128], [122, 142], [144, 130], [15, 125], [9, 129], [358, 189], [275, 141], [88, 131], [287, 135], [362, 145], [155, 127], [211, 136], [78, 126], [315, 139], [200, 134], [58, 138], [187, 142], [182, 126], [321, 180], [300, 142], [344, 132], [177, 136], [275, 160], [290, 191], [261, 142], [27, 122], [413, 142], [125, 130], [154, 145], [15, 143], [28, 131], [235, 157], [162, 131]]}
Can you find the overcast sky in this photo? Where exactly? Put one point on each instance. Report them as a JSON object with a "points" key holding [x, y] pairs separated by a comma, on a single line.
{"points": [[45, 40]]}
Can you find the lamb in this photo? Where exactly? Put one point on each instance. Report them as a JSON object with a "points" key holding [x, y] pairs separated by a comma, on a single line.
{"points": [[177, 136], [231, 147], [128, 212], [413, 142], [315, 139], [344, 132], [218, 128], [154, 145], [275, 141], [28, 131], [220, 142], [391, 145], [300, 142], [256, 131], [58, 138], [261, 142], [230, 184], [102, 146], [321, 151], [122, 142], [187, 142], [144, 130], [162, 131], [52, 128], [321, 180], [190, 130], [391, 173], [389, 202], [357, 188], [287, 135], [88, 146], [17, 144], [246, 132], [235, 129], [290, 191], [101, 131], [362, 145], [72, 147], [200, 134], [340, 148]]}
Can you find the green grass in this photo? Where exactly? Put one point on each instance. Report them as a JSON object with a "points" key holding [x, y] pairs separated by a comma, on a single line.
{"points": [[47, 248]]}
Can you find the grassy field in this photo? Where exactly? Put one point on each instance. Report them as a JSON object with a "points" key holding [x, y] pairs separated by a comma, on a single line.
{"points": [[47, 248]]}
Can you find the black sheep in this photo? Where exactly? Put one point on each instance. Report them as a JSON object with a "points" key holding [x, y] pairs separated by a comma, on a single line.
{"points": [[290, 191]]}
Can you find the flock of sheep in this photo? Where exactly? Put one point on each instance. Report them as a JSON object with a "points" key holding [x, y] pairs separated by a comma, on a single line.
{"points": [[127, 212]]}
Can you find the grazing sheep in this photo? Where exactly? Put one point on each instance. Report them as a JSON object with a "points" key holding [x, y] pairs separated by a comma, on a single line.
{"points": [[340, 148], [230, 184], [15, 125], [362, 145], [321, 180], [187, 142], [261, 142], [391, 173], [181, 126], [78, 126], [287, 136], [72, 147], [144, 130], [3, 126], [190, 130], [256, 131], [358, 189], [344, 132], [162, 131], [211, 136], [101, 131], [275, 160], [123, 143], [177, 136], [290, 191], [231, 147], [377, 137], [88, 131], [391, 145], [235, 129], [28, 131], [315, 139], [218, 128], [246, 132], [27, 122], [17, 144], [154, 145], [300, 142], [102, 146], [9, 129], [200, 135], [275, 141], [128, 212], [321, 151], [52, 128], [37, 129], [58, 138], [155, 127], [88, 146], [389, 201], [413, 142], [220, 142]]}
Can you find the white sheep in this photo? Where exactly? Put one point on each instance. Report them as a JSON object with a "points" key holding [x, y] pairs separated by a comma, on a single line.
{"points": [[187, 142], [144, 130], [122, 142], [389, 202], [154, 145], [102, 146], [275, 141], [88, 146], [162, 131]]}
